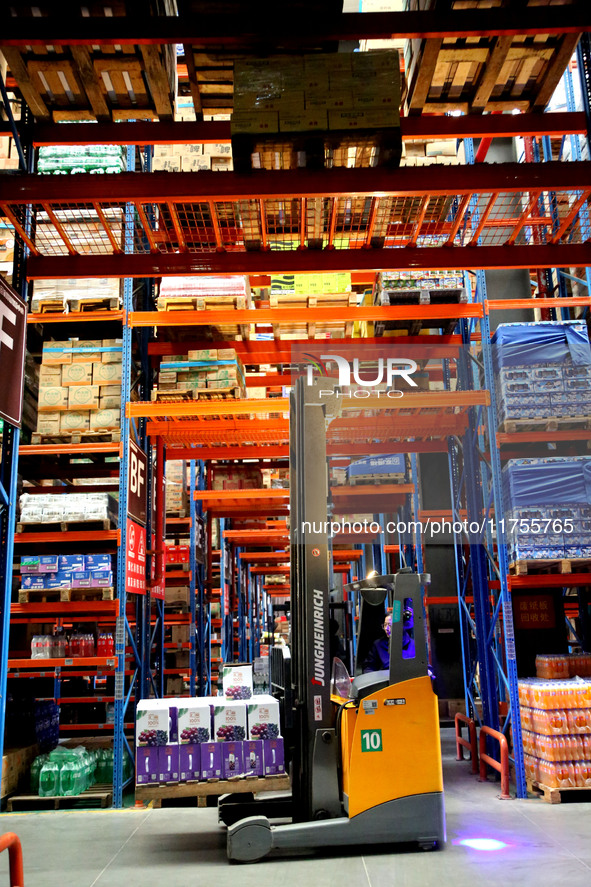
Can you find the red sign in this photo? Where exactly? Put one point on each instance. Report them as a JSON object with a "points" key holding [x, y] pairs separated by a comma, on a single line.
{"points": [[135, 559], [13, 325], [533, 612], [137, 477], [158, 590]]}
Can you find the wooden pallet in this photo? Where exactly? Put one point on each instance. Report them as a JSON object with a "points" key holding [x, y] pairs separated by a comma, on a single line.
{"points": [[65, 83], [550, 565], [102, 303], [47, 305], [485, 74], [376, 479], [158, 793], [200, 303], [173, 395], [65, 595], [76, 437], [96, 796], [510, 426], [187, 394], [555, 795], [65, 525], [324, 300], [422, 296]]}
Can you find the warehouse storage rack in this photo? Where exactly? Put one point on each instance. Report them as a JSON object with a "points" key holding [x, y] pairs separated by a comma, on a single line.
{"points": [[371, 210]]}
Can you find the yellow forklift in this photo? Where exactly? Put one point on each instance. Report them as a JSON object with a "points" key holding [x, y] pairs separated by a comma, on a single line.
{"points": [[365, 757]]}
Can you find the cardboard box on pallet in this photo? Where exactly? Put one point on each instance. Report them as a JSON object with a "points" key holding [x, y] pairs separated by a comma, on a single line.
{"points": [[83, 396], [74, 420], [177, 594], [106, 373], [180, 634], [51, 398], [105, 420]]}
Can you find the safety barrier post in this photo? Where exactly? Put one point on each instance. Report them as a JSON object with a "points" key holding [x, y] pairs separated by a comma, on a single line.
{"points": [[502, 767], [462, 743], [9, 841]]}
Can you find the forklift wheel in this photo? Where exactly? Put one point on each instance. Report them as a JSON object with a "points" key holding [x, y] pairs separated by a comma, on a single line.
{"points": [[250, 839]]}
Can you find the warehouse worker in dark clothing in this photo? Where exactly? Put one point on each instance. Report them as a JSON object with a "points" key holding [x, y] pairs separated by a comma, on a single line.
{"points": [[378, 657]]}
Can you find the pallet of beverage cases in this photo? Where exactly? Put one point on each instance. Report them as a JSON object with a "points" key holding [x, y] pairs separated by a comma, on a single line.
{"points": [[202, 790], [550, 565], [96, 796], [232, 392], [76, 437], [65, 595], [555, 795]]}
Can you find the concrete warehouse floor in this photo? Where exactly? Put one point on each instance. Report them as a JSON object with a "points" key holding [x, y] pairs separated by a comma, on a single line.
{"points": [[545, 845]]}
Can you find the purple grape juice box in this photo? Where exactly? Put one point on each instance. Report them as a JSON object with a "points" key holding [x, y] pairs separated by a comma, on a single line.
{"points": [[211, 760], [168, 763], [146, 765], [189, 762], [273, 756], [253, 758], [232, 759]]}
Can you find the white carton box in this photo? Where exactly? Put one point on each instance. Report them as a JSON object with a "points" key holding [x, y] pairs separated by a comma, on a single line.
{"points": [[263, 718], [229, 721], [194, 720], [237, 681]]}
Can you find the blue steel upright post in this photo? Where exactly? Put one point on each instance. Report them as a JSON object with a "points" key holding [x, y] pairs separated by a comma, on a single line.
{"points": [[119, 741]]}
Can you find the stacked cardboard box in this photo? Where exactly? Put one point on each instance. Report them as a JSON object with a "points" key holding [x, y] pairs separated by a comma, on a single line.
{"points": [[80, 386], [287, 96], [417, 152], [53, 507], [16, 763], [238, 477], [205, 370], [192, 158], [176, 497]]}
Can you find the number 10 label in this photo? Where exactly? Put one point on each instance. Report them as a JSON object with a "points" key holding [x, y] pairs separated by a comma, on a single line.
{"points": [[371, 740]]}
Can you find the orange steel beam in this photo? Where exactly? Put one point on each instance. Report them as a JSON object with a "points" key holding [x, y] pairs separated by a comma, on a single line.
{"points": [[427, 126], [533, 199], [270, 571], [98, 661], [258, 557], [147, 228], [19, 228], [216, 226], [68, 536], [59, 228], [257, 537], [419, 222], [76, 317], [290, 316], [377, 490], [277, 351], [177, 226], [68, 449], [108, 231], [142, 409], [220, 453], [483, 218], [441, 399], [392, 549], [229, 495], [567, 302], [236, 31], [464, 203], [521, 437]]}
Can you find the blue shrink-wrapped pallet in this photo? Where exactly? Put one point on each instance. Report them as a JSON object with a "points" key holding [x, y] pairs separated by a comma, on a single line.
{"points": [[542, 370], [391, 466], [547, 508]]}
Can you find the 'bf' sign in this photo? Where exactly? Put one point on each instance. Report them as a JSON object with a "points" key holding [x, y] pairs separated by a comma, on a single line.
{"points": [[136, 483], [13, 318]]}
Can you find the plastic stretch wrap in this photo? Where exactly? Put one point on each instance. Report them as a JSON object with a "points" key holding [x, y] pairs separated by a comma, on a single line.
{"points": [[525, 344]]}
